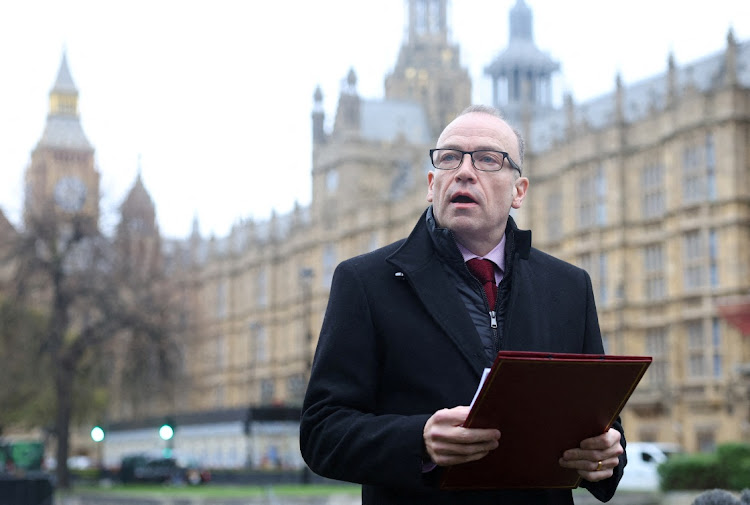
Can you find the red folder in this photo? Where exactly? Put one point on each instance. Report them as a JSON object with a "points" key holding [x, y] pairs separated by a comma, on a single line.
{"points": [[543, 404]]}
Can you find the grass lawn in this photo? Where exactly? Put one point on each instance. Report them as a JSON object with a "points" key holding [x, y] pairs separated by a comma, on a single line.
{"points": [[214, 491]]}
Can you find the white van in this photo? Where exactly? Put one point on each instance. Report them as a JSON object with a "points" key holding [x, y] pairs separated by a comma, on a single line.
{"points": [[643, 457]]}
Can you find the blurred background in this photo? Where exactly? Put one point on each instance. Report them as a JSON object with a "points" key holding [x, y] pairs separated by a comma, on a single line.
{"points": [[180, 180]]}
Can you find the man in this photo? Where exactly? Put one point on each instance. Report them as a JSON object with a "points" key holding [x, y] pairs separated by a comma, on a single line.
{"points": [[409, 329]]}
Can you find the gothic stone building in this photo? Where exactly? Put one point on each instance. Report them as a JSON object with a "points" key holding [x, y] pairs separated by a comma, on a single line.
{"points": [[646, 187]]}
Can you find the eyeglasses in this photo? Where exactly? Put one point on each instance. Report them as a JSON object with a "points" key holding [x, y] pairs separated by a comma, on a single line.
{"points": [[484, 161]]}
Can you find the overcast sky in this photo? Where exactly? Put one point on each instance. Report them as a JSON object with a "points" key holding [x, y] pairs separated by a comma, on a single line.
{"points": [[215, 96]]}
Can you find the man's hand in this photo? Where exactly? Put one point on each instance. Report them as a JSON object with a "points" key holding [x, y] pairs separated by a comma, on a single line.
{"points": [[596, 457], [449, 443]]}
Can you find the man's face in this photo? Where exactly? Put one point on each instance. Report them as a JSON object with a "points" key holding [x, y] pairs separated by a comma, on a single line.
{"points": [[473, 204]]}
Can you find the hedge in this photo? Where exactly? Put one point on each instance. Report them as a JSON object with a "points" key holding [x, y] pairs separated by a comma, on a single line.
{"points": [[727, 468]]}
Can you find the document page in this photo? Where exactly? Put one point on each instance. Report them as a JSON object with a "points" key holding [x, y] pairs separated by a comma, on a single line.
{"points": [[485, 373]]}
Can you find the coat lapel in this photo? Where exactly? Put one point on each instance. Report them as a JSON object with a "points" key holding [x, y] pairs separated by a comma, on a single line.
{"points": [[437, 292]]}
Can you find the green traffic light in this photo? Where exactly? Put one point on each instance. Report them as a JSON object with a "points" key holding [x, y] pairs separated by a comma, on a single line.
{"points": [[166, 432], [97, 434]]}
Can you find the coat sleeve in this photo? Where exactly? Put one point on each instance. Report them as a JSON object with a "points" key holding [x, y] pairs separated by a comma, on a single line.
{"points": [[342, 434]]}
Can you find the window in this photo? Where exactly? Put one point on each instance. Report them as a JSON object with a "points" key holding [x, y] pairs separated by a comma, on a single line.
{"points": [[652, 182], [600, 183], [696, 349], [693, 258], [716, 348], [693, 175], [706, 439], [585, 202], [592, 199], [602, 280], [656, 347], [596, 266], [221, 299], [653, 266], [295, 387], [261, 288], [713, 258], [421, 17], [260, 340], [710, 167], [266, 391], [332, 180], [554, 216], [699, 171], [434, 15]]}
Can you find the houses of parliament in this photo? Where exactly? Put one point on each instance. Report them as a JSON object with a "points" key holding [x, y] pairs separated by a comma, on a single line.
{"points": [[646, 187]]}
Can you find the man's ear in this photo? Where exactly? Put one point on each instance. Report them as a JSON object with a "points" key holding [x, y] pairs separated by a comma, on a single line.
{"points": [[520, 187], [430, 179]]}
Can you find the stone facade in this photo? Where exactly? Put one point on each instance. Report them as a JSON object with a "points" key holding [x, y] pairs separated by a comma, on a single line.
{"points": [[648, 188]]}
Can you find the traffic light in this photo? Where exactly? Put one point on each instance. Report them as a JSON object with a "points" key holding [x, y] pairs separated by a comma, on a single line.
{"points": [[97, 434], [166, 432]]}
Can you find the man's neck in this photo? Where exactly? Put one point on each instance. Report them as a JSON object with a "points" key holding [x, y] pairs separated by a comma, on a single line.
{"points": [[479, 247]]}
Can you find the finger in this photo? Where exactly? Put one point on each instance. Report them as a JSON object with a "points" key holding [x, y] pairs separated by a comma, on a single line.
{"points": [[454, 449], [601, 470], [589, 465], [594, 454], [604, 441], [452, 454], [457, 460]]}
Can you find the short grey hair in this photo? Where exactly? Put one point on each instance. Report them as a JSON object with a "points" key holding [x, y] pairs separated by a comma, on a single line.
{"points": [[494, 111]]}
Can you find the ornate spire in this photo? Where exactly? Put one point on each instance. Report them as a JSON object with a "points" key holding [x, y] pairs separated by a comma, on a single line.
{"points": [[730, 77], [521, 22], [318, 117], [521, 74], [428, 70], [63, 128], [427, 21], [63, 97]]}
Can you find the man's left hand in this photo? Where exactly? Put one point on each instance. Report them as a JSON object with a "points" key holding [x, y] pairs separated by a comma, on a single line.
{"points": [[596, 457]]}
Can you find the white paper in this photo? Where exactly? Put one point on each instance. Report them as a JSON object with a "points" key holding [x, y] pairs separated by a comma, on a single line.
{"points": [[485, 373]]}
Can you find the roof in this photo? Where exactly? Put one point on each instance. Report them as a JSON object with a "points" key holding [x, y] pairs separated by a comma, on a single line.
{"points": [[64, 82], [640, 98], [64, 132], [523, 54], [387, 120]]}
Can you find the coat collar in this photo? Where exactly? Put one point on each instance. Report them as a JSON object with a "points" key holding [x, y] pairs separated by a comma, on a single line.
{"points": [[421, 259]]}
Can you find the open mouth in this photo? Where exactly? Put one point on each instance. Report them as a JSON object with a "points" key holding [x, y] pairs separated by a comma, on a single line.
{"points": [[462, 199]]}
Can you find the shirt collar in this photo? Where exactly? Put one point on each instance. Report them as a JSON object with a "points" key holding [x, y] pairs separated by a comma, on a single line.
{"points": [[496, 255]]}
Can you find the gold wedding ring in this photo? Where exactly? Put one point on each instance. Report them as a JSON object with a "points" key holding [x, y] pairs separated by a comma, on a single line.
{"points": [[599, 466]]}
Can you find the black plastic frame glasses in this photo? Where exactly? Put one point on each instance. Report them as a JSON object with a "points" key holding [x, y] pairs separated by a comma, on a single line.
{"points": [[460, 159]]}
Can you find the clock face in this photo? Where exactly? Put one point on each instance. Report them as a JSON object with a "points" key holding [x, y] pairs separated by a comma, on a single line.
{"points": [[70, 194]]}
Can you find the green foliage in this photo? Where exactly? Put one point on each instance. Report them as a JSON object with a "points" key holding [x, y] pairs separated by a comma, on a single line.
{"points": [[727, 468], [734, 462], [691, 471]]}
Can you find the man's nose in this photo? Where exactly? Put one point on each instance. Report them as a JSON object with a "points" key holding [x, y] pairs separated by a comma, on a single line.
{"points": [[466, 169]]}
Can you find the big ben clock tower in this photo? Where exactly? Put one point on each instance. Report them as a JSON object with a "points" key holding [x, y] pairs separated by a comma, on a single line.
{"points": [[61, 179]]}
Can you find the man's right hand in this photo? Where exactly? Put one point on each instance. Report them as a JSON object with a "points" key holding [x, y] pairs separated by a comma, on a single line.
{"points": [[449, 443]]}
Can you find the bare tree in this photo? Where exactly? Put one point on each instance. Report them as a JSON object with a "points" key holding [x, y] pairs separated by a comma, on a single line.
{"points": [[93, 306]]}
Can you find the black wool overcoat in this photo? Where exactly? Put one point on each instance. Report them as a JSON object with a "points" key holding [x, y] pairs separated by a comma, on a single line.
{"points": [[397, 344]]}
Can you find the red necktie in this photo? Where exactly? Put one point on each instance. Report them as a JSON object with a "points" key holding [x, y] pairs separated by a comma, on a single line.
{"points": [[484, 271]]}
